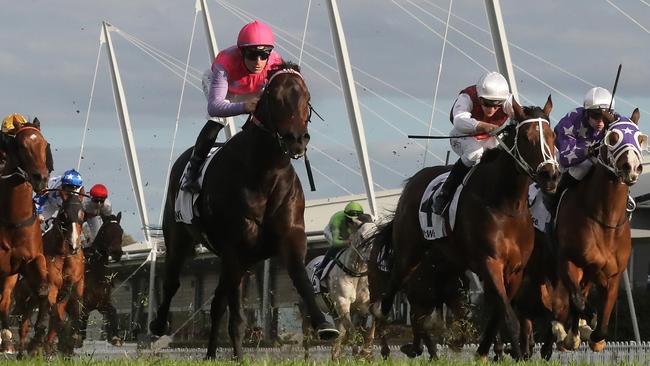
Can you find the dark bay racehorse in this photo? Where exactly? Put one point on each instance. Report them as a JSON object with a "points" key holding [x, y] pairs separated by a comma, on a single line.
{"points": [[593, 227], [494, 235], [431, 286], [21, 247], [99, 279], [65, 272], [251, 208]]}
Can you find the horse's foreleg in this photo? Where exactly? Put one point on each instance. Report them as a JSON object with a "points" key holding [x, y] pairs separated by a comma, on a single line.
{"points": [[40, 285], [571, 275], [296, 268], [607, 295], [74, 310], [9, 283], [368, 340], [525, 336], [236, 321], [110, 319], [343, 325], [306, 330], [404, 266]]}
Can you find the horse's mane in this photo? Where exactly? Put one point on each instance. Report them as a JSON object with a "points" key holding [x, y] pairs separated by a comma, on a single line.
{"points": [[283, 66]]}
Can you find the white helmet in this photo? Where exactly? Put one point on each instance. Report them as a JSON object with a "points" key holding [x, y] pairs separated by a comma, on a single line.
{"points": [[493, 86], [598, 98]]}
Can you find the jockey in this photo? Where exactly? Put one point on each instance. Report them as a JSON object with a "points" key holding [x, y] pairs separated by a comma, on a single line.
{"points": [[339, 232], [233, 85], [48, 204], [9, 127], [96, 207], [577, 135], [478, 110]]}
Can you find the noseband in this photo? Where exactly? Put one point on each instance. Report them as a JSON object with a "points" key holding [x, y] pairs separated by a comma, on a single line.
{"points": [[544, 148]]}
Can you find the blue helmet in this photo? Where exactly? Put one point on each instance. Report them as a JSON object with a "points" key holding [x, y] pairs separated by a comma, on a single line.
{"points": [[72, 178]]}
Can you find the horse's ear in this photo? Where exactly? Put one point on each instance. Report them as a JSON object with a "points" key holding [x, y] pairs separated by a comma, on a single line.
{"points": [[36, 123], [519, 111], [635, 116], [119, 217], [548, 107]]}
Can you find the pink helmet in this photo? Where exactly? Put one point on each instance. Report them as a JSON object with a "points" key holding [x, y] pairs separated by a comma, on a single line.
{"points": [[255, 34]]}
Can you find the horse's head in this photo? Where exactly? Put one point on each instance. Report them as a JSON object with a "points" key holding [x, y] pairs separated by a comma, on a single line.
{"points": [[25, 153], [109, 237], [70, 219], [362, 239], [534, 145], [623, 146], [284, 109]]}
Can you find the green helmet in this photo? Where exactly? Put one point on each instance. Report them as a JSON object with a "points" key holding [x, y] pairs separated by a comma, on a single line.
{"points": [[353, 209]]}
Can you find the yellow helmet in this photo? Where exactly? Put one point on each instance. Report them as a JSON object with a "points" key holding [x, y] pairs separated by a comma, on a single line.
{"points": [[9, 122]]}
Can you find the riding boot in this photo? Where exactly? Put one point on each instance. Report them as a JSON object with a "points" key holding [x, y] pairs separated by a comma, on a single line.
{"points": [[448, 189], [329, 255], [49, 160], [204, 143]]}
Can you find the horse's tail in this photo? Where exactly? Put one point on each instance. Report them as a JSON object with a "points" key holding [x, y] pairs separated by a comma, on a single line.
{"points": [[383, 236]]}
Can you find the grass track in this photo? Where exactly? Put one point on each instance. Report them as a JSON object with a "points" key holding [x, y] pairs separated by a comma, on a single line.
{"points": [[168, 362]]}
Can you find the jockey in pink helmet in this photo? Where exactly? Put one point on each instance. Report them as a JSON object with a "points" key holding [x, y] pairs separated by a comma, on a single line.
{"points": [[233, 85]]}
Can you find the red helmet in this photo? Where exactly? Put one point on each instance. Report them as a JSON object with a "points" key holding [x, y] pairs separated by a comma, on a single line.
{"points": [[255, 34], [99, 191]]}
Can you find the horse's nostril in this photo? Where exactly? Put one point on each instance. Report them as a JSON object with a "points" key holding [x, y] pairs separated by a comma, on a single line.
{"points": [[307, 137], [639, 169]]}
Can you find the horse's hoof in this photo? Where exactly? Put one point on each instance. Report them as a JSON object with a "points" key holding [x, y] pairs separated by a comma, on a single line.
{"points": [[375, 310], [481, 358], [210, 357], [410, 350], [116, 341], [157, 327], [571, 342], [597, 346], [326, 331], [585, 330]]}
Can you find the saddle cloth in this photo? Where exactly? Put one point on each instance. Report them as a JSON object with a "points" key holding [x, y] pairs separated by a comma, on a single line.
{"points": [[434, 228], [184, 210], [541, 216], [320, 284]]}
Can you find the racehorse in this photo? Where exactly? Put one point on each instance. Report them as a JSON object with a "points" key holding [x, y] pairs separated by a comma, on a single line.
{"points": [[431, 286], [251, 208], [493, 234], [593, 227], [21, 248], [348, 293], [65, 272], [99, 279]]}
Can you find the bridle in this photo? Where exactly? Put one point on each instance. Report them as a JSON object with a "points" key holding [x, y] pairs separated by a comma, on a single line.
{"points": [[514, 152], [612, 153], [264, 125], [19, 171]]}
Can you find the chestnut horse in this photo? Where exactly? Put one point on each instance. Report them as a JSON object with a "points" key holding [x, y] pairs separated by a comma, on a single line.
{"points": [[593, 227], [493, 235], [65, 272], [251, 208], [99, 279], [24, 171]]}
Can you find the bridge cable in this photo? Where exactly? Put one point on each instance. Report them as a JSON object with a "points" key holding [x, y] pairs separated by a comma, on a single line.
{"points": [[90, 102], [435, 92]]}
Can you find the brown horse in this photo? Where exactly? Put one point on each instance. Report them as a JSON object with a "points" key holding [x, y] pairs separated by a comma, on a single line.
{"points": [[431, 286], [251, 208], [21, 247], [493, 235], [99, 279], [593, 227], [65, 272]]}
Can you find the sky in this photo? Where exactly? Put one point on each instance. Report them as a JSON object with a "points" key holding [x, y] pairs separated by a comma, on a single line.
{"points": [[48, 52]]}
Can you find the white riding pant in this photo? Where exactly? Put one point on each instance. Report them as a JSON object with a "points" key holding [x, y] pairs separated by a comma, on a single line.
{"points": [[579, 171], [470, 149]]}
